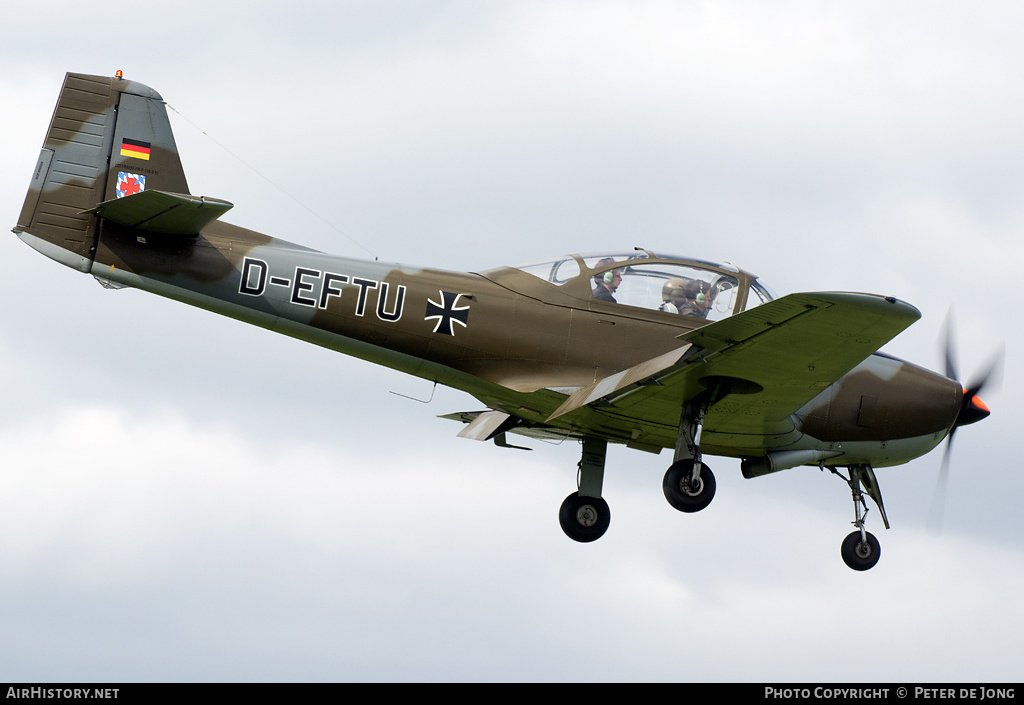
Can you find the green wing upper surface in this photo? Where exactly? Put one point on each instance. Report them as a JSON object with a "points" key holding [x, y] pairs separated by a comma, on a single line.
{"points": [[767, 362]]}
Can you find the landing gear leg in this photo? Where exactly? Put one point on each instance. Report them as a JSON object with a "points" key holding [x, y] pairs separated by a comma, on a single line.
{"points": [[861, 550], [689, 484], [585, 515]]}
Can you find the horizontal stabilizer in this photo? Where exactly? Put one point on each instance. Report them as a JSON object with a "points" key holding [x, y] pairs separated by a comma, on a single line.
{"points": [[163, 212]]}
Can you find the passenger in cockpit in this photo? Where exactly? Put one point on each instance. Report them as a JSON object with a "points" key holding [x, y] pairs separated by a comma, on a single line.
{"points": [[698, 298], [687, 298], [672, 295]]}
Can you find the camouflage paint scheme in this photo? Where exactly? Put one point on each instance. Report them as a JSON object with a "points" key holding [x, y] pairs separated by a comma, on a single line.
{"points": [[793, 381]]}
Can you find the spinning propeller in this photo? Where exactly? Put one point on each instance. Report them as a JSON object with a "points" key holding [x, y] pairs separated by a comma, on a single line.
{"points": [[972, 410]]}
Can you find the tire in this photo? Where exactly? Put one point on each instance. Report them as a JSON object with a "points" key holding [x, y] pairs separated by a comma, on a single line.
{"points": [[584, 519], [859, 555], [680, 492]]}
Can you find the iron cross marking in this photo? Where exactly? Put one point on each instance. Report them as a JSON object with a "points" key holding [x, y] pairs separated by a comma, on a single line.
{"points": [[446, 312]]}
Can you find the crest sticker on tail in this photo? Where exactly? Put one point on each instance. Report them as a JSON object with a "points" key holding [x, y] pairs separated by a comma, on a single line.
{"points": [[129, 184]]}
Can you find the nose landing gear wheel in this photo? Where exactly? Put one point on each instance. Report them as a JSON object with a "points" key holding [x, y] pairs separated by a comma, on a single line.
{"points": [[584, 519], [683, 492], [860, 554]]}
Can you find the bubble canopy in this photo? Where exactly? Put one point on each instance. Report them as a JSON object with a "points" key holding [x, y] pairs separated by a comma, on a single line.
{"points": [[668, 283]]}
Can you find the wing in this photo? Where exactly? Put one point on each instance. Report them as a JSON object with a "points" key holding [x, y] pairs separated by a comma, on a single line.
{"points": [[768, 361]]}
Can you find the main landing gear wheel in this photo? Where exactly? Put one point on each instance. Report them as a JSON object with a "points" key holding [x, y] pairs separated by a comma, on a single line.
{"points": [[860, 554], [584, 519], [686, 493]]}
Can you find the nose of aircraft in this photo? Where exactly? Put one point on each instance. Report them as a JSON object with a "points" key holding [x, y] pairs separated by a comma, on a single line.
{"points": [[972, 409]]}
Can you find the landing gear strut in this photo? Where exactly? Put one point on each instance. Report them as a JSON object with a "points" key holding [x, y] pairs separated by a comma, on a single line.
{"points": [[689, 484], [584, 515], [861, 550]]}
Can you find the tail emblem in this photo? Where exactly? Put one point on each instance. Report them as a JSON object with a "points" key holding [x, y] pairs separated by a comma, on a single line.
{"points": [[129, 184]]}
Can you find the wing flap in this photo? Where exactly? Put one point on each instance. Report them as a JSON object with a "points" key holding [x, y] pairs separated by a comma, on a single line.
{"points": [[485, 426], [614, 385], [163, 212], [494, 431]]}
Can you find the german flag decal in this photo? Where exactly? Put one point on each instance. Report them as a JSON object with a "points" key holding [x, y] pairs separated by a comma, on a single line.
{"points": [[136, 149]]}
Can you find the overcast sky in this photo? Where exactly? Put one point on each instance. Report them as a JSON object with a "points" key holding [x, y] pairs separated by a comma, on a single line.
{"points": [[183, 497]]}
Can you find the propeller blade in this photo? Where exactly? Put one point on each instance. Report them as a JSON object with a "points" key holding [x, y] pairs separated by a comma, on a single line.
{"points": [[972, 409], [938, 508], [951, 366], [992, 375]]}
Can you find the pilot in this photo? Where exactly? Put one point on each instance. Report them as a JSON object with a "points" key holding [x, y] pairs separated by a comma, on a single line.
{"points": [[606, 283]]}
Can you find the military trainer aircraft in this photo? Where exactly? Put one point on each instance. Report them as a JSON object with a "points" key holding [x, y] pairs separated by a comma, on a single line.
{"points": [[640, 348]]}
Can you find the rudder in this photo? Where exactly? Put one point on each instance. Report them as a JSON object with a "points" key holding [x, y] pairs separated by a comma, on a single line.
{"points": [[108, 138]]}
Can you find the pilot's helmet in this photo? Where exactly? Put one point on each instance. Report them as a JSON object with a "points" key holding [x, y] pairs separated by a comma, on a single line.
{"points": [[674, 290], [696, 291]]}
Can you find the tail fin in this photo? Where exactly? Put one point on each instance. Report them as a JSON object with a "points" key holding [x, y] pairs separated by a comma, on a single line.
{"points": [[108, 138]]}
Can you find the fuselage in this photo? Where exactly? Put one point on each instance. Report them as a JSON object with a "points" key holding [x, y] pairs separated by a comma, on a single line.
{"points": [[516, 343]]}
